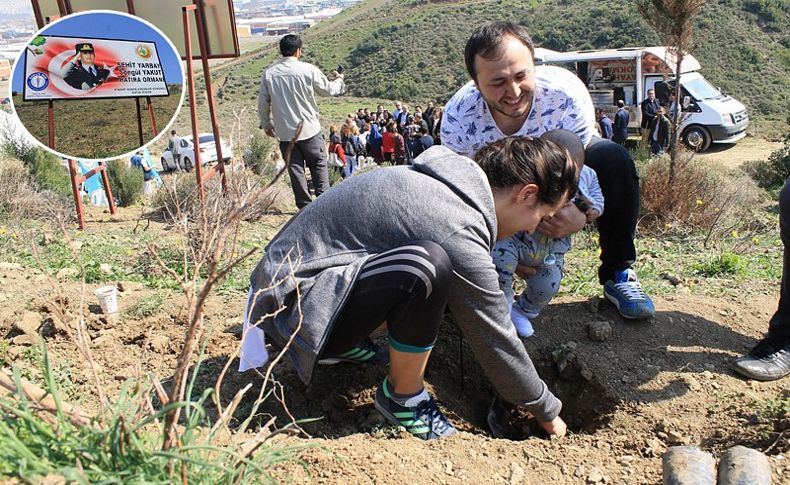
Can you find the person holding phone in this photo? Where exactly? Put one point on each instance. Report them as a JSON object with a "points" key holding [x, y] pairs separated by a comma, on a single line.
{"points": [[287, 99]]}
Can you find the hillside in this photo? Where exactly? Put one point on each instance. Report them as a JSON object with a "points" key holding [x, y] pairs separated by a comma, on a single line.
{"points": [[413, 49]]}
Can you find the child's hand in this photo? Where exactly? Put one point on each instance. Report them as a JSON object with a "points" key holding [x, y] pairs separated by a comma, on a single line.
{"points": [[592, 214], [555, 427]]}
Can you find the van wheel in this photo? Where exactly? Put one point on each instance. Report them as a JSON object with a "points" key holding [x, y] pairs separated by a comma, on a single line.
{"points": [[696, 138], [187, 164], [165, 166]]}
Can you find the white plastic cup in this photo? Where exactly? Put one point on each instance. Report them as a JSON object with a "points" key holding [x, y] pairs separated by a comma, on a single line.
{"points": [[108, 299]]}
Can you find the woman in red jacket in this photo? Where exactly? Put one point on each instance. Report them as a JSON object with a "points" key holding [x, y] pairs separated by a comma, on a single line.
{"points": [[336, 147], [388, 143]]}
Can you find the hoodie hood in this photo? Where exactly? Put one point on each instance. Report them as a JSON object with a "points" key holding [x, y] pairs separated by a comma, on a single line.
{"points": [[470, 183]]}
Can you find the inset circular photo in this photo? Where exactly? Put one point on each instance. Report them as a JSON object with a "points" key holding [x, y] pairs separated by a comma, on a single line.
{"points": [[97, 85]]}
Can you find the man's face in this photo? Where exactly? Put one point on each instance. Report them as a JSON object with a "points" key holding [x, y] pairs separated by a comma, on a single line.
{"points": [[430, 104], [87, 57], [651, 95], [507, 83], [397, 106]]}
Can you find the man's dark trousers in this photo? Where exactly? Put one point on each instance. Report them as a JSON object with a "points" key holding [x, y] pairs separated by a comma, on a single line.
{"points": [[620, 187], [780, 323], [312, 153]]}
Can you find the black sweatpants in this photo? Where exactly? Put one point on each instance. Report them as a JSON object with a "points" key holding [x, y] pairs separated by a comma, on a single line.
{"points": [[779, 326], [620, 187], [407, 287], [312, 153]]}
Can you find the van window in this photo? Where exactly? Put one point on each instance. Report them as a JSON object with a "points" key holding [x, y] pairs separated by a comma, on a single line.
{"points": [[699, 88]]}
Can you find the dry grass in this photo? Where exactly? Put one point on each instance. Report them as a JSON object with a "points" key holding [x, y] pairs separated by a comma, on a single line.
{"points": [[700, 199]]}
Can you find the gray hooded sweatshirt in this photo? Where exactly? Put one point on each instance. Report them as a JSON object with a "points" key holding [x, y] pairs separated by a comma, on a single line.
{"points": [[310, 266]]}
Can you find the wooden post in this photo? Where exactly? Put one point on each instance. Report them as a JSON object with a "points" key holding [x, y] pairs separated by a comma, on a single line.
{"points": [[75, 189], [154, 131], [107, 190], [51, 123], [139, 121], [192, 102], [203, 42]]}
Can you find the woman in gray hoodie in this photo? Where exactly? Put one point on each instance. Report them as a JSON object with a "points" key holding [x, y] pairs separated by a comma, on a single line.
{"points": [[397, 246]]}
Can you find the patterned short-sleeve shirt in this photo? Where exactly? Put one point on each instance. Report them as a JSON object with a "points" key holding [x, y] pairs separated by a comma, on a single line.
{"points": [[561, 101]]}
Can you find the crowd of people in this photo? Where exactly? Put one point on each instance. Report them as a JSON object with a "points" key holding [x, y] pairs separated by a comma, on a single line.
{"points": [[395, 137], [519, 170]]}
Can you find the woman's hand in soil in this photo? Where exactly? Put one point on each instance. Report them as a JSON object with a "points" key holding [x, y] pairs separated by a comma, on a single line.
{"points": [[555, 427]]}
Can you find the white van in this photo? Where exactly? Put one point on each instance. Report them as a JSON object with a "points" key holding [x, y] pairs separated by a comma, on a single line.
{"points": [[708, 115]]}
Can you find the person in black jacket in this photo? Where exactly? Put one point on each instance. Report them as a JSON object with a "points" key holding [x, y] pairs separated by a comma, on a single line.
{"points": [[81, 72], [621, 119], [659, 132], [649, 109]]}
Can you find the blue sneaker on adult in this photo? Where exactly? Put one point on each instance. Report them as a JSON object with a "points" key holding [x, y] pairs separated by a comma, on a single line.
{"points": [[627, 295]]}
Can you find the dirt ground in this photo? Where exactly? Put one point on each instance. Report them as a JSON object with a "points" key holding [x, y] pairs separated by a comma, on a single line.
{"points": [[733, 155], [646, 387]]}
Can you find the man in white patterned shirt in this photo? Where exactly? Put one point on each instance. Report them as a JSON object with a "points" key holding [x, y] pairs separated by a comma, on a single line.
{"points": [[509, 96]]}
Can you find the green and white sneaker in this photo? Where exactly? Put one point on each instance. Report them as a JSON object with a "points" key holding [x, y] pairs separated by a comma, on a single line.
{"points": [[366, 352], [423, 420]]}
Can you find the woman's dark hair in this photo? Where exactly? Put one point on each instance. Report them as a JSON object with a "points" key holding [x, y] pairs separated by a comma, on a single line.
{"points": [[487, 40], [517, 160], [289, 44]]}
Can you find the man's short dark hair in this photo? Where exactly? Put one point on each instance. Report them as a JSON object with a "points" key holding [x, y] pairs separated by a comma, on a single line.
{"points": [[173, 132], [289, 44], [487, 40]]}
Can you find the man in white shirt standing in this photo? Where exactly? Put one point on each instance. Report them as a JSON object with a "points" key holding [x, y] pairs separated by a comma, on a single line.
{"points": [[286, 98], [509, 96]]}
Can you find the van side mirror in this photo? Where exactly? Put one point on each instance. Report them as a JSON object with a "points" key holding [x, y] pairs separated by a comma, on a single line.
{"points": [[686, 102]]}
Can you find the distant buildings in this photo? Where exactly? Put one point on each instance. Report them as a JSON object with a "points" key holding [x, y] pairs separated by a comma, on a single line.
{"points": [[268, 17]]}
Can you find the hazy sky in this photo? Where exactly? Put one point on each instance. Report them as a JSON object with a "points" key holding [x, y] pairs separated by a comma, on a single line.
{"points": [[16, 6]]}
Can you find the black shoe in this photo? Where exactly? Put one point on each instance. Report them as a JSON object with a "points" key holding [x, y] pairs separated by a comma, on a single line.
{"points": [[769, 360], [366, 352]]}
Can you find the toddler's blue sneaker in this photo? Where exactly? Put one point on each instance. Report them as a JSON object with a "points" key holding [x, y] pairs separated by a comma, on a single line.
{"points": [[627, 295]]}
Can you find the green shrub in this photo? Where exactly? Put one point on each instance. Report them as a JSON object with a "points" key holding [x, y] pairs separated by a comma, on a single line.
{"points": [[771, 173], [126, 182], [48, 171], [722, 264], [257, 155]]}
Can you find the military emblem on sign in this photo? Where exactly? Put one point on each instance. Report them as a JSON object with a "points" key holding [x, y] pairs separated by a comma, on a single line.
{"points": [[143, 51]]}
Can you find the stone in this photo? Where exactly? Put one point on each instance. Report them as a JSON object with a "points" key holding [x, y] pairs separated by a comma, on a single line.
{"points": [[599, 331], [592, 304], [105, 268], [448, 468], [120, 287], [66, 273], [6, 266], [28, 323], [595, 476], [24, 339], [517, 474], [377, 458], [159, 343]]}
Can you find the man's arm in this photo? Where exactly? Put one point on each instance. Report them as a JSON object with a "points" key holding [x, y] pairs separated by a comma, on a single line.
{"points": [[324, 86], [265, 107]]}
